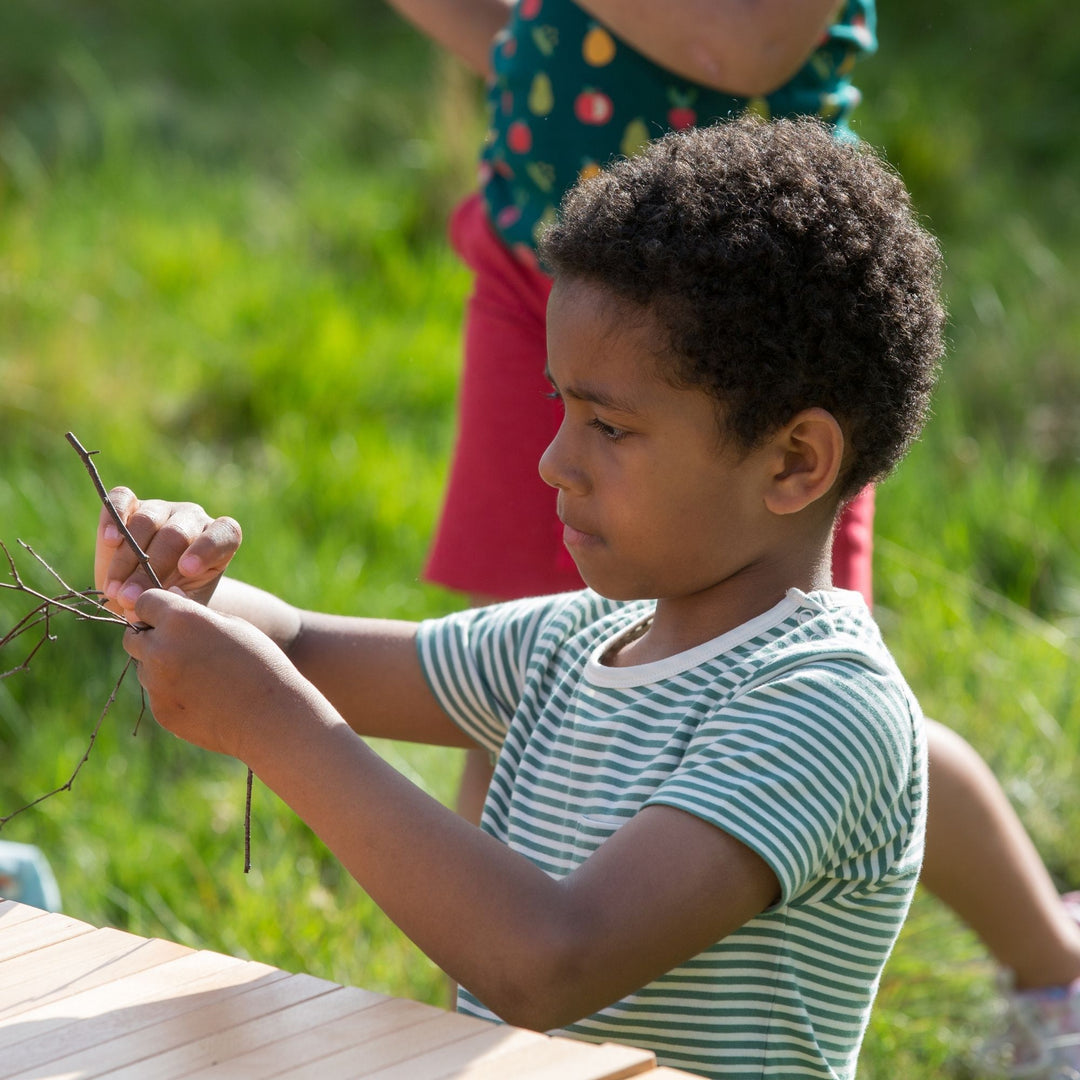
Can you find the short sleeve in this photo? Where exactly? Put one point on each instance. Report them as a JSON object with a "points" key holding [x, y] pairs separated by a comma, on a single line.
{"points": [[813, 771], [476, 662]]}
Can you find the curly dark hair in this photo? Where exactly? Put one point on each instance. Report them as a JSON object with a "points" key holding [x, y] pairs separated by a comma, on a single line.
{"points": [[787, 269]]}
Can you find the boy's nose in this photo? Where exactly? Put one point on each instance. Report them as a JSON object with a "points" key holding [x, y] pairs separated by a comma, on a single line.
{"points": [[556, 468]]}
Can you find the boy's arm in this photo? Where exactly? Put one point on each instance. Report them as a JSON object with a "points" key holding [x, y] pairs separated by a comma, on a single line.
{"points": [[745, 47], [464, 27], [540, 952], [367, 668]]}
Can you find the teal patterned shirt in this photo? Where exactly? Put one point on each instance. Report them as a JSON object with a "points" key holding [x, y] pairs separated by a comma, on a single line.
{"points": [[567, 95]]}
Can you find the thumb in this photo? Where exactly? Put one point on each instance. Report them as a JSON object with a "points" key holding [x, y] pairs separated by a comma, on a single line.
{"points": [[154, 605]]}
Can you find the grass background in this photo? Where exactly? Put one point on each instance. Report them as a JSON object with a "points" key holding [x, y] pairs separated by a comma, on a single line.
{"points": [[222, 266]]}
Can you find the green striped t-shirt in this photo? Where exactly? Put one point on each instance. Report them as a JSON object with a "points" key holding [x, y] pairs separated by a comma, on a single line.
{"points": [[794, 733]]}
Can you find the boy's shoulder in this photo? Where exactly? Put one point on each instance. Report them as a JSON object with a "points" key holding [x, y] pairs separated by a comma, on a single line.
{"points": [[828, 636], [834, 623], [535, 630]]}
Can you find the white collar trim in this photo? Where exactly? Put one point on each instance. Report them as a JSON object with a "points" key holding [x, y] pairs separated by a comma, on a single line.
{"points": [[600, 674]]}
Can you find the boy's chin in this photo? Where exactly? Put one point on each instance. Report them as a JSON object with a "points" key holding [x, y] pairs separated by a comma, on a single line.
{"points": [[615, 590]]}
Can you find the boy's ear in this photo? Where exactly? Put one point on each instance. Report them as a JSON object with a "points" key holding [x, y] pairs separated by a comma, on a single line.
{"points": [[809, 451]]}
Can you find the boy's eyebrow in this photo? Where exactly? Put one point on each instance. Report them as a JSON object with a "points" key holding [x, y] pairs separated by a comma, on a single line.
{"points": [[595, 396]]}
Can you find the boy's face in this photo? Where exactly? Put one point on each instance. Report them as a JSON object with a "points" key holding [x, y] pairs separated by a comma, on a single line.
{"points": [[654, 503]]}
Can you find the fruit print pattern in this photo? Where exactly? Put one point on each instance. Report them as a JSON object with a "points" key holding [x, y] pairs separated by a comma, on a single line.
{"points": [[567, 95]]}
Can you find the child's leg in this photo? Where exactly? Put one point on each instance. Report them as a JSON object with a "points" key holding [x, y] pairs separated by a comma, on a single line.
{"points": [[981, 862]]}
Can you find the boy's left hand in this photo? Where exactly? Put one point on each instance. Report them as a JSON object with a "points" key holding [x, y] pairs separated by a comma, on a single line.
{"points": [[207, 674], [186, 547]]}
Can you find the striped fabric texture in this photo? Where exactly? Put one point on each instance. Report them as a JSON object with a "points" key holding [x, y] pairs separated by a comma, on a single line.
{"points": [[794, 733]]}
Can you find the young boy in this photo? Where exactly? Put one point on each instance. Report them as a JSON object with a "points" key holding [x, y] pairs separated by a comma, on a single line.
{"points": [[706, 819]]}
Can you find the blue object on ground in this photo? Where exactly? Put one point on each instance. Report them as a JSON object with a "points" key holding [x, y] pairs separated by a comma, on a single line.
{"points": [[25, 876]]}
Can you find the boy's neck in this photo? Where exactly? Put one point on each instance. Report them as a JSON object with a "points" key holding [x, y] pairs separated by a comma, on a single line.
{"points": [[684, 622]]}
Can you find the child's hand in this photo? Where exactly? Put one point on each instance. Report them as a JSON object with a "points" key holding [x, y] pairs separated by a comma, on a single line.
{"points": [[187, 549], [206, 674]]}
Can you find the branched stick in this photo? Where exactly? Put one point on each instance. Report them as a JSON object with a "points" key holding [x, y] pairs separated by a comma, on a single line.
{"points": [[145, 563], [71, 601], [85, 605], [104, 496], [68, 601], [66, 786]]}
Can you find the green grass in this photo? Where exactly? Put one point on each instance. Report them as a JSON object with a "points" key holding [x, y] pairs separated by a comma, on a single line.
{"points": [[222, 266]]}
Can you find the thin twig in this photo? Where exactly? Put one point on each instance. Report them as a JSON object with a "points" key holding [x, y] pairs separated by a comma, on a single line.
{"points": [[86, 754], [67, 601], [70, 601], [145, 563], [74, 603], [85, 454], [142, 711], [247, 823]]}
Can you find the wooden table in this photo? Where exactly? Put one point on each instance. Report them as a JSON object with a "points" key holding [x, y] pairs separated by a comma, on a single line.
{"points": [[79, 1002]]}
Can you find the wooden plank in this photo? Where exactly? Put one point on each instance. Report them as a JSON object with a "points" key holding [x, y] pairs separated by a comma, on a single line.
{"points": [[11, 912], [25, 934], [393, 1048], [495, 1044], [72, 1025], [66, 968], [349, 1033], [216, 1031], [560, 1059], [95, 1002], [78, 1003]]}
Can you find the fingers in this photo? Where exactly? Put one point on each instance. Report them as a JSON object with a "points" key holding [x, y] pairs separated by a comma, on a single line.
{"points": [[109, 538], [208, 554], [184, 545], [200, 669]]}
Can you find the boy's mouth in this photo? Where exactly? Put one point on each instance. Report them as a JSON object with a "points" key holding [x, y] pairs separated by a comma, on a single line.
{"points": [[575, 537]]}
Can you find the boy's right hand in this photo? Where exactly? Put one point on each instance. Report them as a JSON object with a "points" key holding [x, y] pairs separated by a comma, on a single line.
{"points": [[188, 550]]}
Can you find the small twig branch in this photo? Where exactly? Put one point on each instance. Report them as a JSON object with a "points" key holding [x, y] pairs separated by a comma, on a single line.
{"points": [[107, 502], [86, 606], [66, 786], [247, 822], [67, 601], [70, 601], [25, 665]]}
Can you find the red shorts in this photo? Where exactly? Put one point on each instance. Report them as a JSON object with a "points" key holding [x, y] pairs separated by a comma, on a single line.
{"points": [[498, 535]]}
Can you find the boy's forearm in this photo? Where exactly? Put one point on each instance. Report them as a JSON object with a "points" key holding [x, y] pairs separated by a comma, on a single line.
{"points": [[745, 47], [368, 669], [476, 908], [463, 27], [276, 618]]}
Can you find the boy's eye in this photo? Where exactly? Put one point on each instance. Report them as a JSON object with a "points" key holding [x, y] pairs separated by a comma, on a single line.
{"points": [[609, 432]]}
